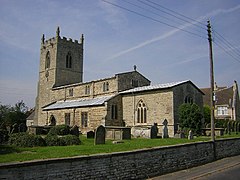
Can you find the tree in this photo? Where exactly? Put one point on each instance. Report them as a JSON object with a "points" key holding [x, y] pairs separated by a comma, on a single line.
{"points": [[190, 117], [207, 114], [10, 115]]}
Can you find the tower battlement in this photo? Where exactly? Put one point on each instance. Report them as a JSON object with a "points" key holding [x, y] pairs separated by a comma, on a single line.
{"points": [[58, 38]]}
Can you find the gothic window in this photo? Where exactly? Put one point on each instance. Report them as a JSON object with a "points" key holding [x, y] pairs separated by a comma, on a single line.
{"points": [[105, 86], [141, 112], [135, 83], [188, 99], [67, 119], [47, 61], [87, 89], [69, 60], [84, 117], [114, 111], [70, 91], [52, 121]]}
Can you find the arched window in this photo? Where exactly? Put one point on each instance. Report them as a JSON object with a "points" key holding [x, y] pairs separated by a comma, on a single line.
{"points": [[188, 99], [141, 112], [47, 61], [52, 121], [69, 60]]}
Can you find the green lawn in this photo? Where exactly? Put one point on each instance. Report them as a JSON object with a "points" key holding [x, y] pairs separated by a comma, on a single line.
{"points": [[87, 147]]}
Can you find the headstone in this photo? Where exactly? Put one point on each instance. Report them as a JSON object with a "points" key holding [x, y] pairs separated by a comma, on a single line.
{"points": [[22, 127], [165, 129], [90, 134], [100, 134], [75, 130], [190, 135], [180, 135], [154, 131]]}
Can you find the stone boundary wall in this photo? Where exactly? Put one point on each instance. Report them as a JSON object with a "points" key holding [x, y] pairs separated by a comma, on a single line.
{"points": [[138, 164]]}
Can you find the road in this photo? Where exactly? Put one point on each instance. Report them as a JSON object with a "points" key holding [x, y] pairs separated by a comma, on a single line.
{"points": [[227, 168]]}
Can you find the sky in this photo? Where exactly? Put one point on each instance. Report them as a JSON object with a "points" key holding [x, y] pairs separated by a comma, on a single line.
{"points": [[165, 46]]}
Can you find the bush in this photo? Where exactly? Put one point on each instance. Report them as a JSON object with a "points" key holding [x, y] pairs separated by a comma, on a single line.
{"points": [[3, 135], [69, 140], [26, 140], [52, 140], [59, 130]]}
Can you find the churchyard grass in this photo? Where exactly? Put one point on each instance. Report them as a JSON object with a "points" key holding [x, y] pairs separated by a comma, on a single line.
{"points": [[87, 147]]}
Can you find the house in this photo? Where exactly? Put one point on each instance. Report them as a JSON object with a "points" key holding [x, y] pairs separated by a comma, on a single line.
{"points": [[227, 104], [125, 99]]}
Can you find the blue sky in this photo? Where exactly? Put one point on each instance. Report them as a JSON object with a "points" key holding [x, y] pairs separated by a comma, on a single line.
{"points": [[116, 40]]}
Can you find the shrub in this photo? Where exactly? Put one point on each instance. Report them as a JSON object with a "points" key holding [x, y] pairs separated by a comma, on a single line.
{"points": [[3, 135], [52, 140], [59, 130], [26, 140], [69, 140]]}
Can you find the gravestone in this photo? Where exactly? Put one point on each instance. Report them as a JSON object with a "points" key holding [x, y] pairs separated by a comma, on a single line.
{"points": [[190, 135], [75, 130], [154, 131], [22, 127], [90, 134], [100, 134], [165, 129]]}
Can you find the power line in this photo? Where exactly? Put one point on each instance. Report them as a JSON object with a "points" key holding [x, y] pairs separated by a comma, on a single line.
{"points": [[153, 19], [227, 43], [190, 20], [236, 59]]}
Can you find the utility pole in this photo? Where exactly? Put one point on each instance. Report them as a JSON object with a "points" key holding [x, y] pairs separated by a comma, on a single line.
{"points": [[212, 94]]}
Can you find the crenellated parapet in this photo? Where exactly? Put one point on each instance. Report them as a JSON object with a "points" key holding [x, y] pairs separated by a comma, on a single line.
{"points": [[58, 38]]}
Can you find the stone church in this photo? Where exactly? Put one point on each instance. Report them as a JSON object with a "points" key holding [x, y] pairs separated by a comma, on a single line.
{"points": [[125, 99]]}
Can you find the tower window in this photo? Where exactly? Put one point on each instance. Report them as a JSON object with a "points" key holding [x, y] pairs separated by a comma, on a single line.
{"points": [[141, 112], [47, 61], [69, 60]]}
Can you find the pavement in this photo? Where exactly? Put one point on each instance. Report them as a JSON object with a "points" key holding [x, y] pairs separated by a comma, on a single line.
{"points": [[214, 170]]}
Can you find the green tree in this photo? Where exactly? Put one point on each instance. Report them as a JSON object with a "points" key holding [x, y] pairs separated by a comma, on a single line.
{"points": [[190, 117], [207, 114], [11, 115]]}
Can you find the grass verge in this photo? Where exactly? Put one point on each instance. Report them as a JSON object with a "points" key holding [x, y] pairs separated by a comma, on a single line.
{"points": [[87, 147]]}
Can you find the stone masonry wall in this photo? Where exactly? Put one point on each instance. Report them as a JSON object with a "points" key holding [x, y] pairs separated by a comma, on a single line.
{"points": [[139, 164]]}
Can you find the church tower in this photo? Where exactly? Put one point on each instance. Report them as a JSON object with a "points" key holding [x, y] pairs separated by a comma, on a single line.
{"points": [[61, 63]]}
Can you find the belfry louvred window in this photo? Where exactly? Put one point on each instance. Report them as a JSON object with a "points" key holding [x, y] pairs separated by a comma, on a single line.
{"points": [[141, 112], [47, 61], [69, 60]]}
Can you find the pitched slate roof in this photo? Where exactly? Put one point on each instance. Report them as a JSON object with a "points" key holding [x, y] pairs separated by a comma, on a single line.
{"points": [[224, 95], [77, 103], [157, 87]]}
